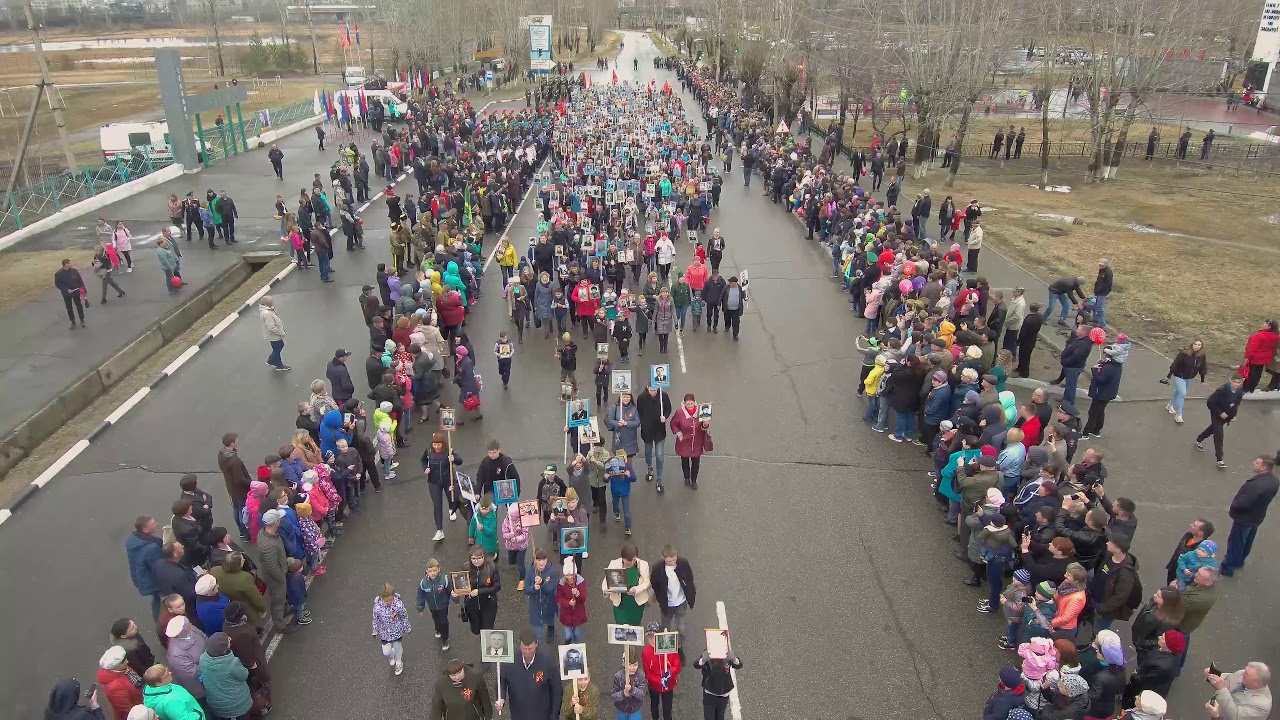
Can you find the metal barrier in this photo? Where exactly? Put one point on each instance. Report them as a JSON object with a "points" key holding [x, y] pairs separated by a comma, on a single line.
{"points": [[36, 202]]}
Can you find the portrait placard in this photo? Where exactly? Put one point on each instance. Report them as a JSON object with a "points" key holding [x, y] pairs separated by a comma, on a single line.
{"points": [[626, 635], [497, 646]]}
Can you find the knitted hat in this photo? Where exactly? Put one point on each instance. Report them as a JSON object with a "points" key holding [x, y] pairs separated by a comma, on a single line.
{"points": [[1149, 701], [988, 451], [652, 628], [1208, 546], [995, 497], [1175, 641], [1022, 575], [207, 585], [303, 509], [1073, 684], [1110, 647], [1010, 677], [1046, 589], [112, 657], [141, 712]]}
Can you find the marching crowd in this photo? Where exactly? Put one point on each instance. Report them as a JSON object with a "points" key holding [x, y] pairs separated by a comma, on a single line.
{"points": [[628, 180]]}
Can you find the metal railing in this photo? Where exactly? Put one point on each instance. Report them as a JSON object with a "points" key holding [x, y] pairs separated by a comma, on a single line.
{"points": [[24, 206]]}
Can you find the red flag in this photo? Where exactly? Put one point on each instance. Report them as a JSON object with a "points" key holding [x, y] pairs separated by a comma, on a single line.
{"points": [[364, 103], [333, 112]]}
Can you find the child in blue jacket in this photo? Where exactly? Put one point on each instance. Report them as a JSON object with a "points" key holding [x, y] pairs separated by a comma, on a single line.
{"points": [[435, 592], [620, 474]]}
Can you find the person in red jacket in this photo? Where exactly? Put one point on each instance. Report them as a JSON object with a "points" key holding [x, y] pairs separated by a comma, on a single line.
{"points": [[587, 302], [571, 598], [1258, 353], [122, 686], [662, 672], [693, 438], [451, 314]]}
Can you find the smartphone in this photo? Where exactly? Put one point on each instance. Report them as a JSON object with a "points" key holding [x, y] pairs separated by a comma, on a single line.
{"points": [[1028, 598], [348, 418], [1213, 670], [92, 689]]}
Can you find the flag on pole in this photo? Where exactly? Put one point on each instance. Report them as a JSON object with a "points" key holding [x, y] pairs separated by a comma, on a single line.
{"points": [[364, 104], [332, 111], [316, 107], [346, 30], [615, 77], [357, 33], [343, 41]]}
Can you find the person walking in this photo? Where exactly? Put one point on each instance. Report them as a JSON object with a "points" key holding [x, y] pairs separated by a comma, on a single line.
{"points": [[276, 156], [1223, 405], [480, 606], [104, 266], [628, 606], [1259, 352], [1189, 362], [732, 304], [693, 438], [273, 331], [461, 694], [654, 408], [717, 682], [1248, 510], [390, 625], [69, 282], [168, 265], [531, 684], [675, 590]]}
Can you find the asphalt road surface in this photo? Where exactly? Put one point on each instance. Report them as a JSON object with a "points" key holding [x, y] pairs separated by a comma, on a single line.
{"points": [[818, 535]]}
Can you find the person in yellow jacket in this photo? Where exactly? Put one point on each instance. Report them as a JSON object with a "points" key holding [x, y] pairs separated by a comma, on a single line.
{"points": [[871, 387], [507, 259]]}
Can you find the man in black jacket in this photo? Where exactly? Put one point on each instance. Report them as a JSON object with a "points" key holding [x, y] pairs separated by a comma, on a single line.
{"points": [[1101, 289], [227, 209], [712, 294], [995, 321], [1199, 531], [1223, 404], [68, 281], [531, 683], [1091, 540], [1074, 359], [340, 384], [1113, 583], [655, 408], [276, 156], [496, 465], [1028, 335], [1248, 510], [672, 581], [174, 578]]}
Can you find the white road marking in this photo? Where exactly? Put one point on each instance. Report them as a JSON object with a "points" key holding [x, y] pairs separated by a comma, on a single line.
{"points": [[680, 351], [128, 405], [285, 272], [275, 643], [146, 240], [226, 323], [181, 359], [735, 706], [61, 463], [6, 513]]}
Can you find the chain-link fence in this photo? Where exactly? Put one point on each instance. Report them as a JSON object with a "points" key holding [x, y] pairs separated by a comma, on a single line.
{"points": [[35, 202]]}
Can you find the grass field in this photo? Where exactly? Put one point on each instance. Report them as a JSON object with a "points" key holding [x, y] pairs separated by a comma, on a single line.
{"points": [[1192, 280]]}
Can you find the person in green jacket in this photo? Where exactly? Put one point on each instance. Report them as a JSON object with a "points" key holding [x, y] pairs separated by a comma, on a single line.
{"points": [[225, 678], [682, 298], [484, 527], [167, 699]]}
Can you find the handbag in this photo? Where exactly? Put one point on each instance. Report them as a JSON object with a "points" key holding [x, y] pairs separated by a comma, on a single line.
{"points": [[708, 445], [471, 402]]}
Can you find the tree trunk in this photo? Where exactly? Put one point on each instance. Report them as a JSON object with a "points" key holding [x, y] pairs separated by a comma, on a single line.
{"points": [[1044, 143], [960, 133], [1117, 149]]}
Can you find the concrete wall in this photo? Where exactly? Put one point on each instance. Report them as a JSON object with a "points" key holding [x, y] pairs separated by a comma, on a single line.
{"points": [[83, 392]]}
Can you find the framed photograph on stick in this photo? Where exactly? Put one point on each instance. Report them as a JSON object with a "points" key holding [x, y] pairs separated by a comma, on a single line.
{"points": [[602, 350], [578, 413], [504, 492], [497, 646], [660, 377], [666, 643], [589, 434], [529, 515], [448, 422], [573, 661], [626, 635], [621, 381], [616, 579], [573, 540]]}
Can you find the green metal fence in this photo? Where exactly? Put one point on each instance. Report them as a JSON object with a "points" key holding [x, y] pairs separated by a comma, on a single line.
{"points": [[36, 202]]}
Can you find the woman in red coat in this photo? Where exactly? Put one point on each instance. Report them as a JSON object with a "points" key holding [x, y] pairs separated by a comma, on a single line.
{"points": [[662, 672], [586, 304], [451, 314], [1258, 353], [693, 437]]}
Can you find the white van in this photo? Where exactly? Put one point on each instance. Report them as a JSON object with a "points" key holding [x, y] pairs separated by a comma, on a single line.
{"points": [[353, 76], [394, 105], [119, 140]]}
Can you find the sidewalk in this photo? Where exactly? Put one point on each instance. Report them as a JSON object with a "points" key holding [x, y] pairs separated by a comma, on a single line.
{"points": [[1145, 367], [41, 356]]}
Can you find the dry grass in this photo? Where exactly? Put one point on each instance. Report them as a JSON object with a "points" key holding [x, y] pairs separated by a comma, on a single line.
{"points": [[24, 275], [1169, 289], [57, 444], [664, 46]]}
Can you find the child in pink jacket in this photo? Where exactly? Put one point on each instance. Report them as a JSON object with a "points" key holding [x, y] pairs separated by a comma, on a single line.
{"points": [[516, 537]]}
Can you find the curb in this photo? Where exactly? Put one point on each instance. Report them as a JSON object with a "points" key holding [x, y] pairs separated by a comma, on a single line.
{"points": [[66, 458]]}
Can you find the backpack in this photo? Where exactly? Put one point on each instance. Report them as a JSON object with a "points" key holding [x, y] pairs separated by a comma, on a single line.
{"points": [[244, 516], [1136, 594]]}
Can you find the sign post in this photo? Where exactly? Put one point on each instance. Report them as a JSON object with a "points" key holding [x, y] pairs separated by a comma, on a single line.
{"points": [[540, 44]]}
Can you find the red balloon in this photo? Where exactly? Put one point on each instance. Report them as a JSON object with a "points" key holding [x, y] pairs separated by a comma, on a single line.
{"points": [[908, 269], [176, 281]]}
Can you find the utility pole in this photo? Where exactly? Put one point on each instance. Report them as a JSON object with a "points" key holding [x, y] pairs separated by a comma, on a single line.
{"points": [[56, 104], [315, 55], [777, 64], [217, 37]]}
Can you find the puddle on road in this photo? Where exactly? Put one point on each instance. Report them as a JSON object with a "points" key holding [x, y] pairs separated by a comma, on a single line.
{"points": [[1273, 219], [1053, 188]]}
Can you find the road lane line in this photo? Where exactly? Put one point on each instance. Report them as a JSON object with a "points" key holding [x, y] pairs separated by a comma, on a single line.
{"points": [[181, 360], [128, 405], [735, 706], [275, 643], [5, 515], [61, 463]]}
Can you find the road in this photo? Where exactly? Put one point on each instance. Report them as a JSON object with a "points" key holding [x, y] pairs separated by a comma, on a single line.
{"points": [[818, 535]]}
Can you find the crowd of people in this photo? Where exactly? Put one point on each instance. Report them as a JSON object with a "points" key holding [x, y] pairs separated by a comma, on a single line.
{"points": [[629, 180], [1034, 525]]}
